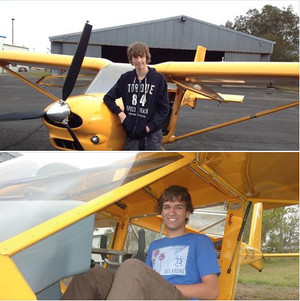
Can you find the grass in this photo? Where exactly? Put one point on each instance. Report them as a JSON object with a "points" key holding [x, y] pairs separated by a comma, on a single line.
{"points": [[279, 280], [289, 89], [31, 74], [34, 73]]}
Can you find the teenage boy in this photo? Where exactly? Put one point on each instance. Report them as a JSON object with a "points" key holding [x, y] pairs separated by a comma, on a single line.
{"points": [[180, 266], [144, 94]]}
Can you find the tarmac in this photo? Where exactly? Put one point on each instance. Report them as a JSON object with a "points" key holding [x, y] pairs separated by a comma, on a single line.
{"points": [[275, 132]]}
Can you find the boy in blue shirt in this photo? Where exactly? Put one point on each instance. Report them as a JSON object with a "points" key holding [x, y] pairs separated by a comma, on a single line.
{"points": [[186, 260], [180, 266]]}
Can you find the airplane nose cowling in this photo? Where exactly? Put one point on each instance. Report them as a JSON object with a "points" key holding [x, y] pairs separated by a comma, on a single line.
{"points": [[89, 118]]}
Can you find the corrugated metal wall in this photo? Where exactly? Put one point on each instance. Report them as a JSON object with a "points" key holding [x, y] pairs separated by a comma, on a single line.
{"points": [[175, 33], [242, 57]]}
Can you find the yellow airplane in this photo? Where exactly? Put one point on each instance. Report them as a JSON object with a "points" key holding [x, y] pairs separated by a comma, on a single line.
{"points": [[50, 205], [84, 122]]}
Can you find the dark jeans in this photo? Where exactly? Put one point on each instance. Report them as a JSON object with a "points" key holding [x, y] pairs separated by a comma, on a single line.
{"points": [[152, 142]]}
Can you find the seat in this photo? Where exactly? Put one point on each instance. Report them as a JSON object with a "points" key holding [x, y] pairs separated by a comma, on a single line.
{"points": [[141, 246], [63, 254]]}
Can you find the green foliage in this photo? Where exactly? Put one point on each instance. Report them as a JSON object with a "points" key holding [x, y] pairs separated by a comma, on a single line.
{"points": [[272, 23], [280, 230]]}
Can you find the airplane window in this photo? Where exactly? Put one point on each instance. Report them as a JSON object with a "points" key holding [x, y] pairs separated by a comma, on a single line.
{"points": [[210, 220], [102, 237], [131, 244], [107, 77]]}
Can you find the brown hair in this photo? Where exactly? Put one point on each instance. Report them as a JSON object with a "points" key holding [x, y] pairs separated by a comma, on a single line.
{"points": [[138, 49], [176, 193]]}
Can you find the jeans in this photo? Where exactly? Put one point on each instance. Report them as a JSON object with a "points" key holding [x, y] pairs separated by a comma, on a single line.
{"points": [[152, 142]]}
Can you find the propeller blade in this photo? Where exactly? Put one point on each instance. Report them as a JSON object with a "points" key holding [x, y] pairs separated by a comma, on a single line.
{"points": [[76, 141], [22, 115], [76, 62]]}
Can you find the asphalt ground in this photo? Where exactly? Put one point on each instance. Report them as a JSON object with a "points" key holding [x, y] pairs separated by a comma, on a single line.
{"points": [[275, 132]]}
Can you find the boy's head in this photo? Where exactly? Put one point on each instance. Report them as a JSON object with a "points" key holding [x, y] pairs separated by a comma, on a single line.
{"points": [[176, 193], [138, 49]]}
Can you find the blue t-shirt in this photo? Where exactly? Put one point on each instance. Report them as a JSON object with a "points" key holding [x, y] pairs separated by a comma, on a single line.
{"points": [[184, 259]]}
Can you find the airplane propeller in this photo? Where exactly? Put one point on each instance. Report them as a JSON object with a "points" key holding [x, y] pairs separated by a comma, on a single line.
{"points": [[60, 110], [22, 115]]}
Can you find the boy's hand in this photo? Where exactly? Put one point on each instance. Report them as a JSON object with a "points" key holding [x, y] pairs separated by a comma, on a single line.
{"points": [[122, 116]]}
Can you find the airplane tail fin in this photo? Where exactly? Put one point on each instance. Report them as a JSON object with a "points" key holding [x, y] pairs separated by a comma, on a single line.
{"points": [[200, 54]]}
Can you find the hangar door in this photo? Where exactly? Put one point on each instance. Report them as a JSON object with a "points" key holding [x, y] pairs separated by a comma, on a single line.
{"points": [[119, 54]]}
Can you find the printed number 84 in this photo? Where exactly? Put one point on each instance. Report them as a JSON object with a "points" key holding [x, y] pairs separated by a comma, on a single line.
{"points": [[142, 100]]}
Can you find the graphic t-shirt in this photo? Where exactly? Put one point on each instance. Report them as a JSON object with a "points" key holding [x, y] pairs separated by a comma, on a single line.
{"points": [[184, 259]]}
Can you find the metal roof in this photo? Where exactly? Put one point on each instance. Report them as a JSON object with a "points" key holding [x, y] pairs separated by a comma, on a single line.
{"points": [[179, 32]]}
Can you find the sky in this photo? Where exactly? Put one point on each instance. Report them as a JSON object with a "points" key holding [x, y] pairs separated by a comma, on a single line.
{"points": [[35, 21]]}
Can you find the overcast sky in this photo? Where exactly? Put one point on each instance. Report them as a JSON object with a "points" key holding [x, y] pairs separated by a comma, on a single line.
{"points": [[36, 21]]}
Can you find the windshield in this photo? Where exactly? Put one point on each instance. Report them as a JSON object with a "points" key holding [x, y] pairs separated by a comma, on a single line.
{"points": [[107, 77], [65, 176]]}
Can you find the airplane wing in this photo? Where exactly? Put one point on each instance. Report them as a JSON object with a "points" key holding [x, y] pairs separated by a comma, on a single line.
{"points": [[200, 77], [49, 60], [191, 73], [196, 77], [228, 73]]}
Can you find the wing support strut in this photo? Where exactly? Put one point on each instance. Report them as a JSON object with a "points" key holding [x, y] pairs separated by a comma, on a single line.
{"points": [[240, 235], [26, 81], [238, 120]]}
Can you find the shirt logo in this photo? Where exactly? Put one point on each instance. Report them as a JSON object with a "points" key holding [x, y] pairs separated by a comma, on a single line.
{"points": [[170, 260]]}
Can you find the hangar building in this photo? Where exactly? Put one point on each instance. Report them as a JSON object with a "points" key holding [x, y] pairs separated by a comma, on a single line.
{"points": [[170, 39]]}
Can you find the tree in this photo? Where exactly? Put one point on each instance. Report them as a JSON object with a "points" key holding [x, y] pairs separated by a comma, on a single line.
{"points": [[280, 230], [272, 23]]}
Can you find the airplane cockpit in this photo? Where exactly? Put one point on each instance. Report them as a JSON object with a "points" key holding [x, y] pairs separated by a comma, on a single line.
{"points": [[33, 197]]}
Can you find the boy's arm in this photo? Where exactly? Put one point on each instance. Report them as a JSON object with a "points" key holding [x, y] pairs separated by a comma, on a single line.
{"points": [[208, 289], [111, 96]]}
